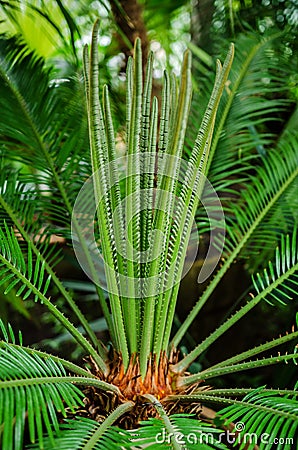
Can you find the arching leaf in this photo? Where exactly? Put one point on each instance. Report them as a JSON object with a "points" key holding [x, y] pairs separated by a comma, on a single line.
{"points": [[273, 419], [35, 387]]}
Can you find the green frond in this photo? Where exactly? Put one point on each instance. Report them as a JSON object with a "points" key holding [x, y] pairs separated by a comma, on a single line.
{"points": [[132, 217], [31, 277], [207, 394], [9, 337], [86, 434], [271, 193], [21, 209], [165, 204], [100, 157], [285, 257], [18, 198], [35, 105], [247, 219], [15, 269], [51, 128], [26, 389], [192, 188], [235, 360], [265, 415], [142, 124], [259, 418], [282, 279], [75, 433], [51, 136], [17, 93], [248, 105]]}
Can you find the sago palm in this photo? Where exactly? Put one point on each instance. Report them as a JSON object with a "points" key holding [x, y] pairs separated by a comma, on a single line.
{"points": [[134, 219]]}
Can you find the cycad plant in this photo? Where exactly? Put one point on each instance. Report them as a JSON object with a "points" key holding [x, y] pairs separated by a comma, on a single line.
{"points": [[135, 220]]}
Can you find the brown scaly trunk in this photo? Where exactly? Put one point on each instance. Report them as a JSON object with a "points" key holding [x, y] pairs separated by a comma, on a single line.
{"points": [[201, 21], [131, 23], [159, 381]]}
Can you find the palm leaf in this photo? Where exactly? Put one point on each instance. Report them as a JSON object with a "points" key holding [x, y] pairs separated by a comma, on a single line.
{"points": [[261, 416], [241, 133], [48, 140], [21, 209], [33, 386], [285, 257], [280, 216], [256, 216], [84, 434], [257, 95], [278, 284], [51, 128], [9, 337], [266, 415], [87, 434], [31, 277]]}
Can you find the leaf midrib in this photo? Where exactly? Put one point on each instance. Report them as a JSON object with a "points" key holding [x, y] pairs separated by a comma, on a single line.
{"points": [[244, 238]]}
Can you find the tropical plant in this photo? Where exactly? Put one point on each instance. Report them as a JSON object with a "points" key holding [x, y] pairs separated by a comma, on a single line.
{"points": [[143, 220]]}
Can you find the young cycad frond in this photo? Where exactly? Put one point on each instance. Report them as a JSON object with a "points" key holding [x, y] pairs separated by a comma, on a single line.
{"points": [[134, 217], [149, 300]]}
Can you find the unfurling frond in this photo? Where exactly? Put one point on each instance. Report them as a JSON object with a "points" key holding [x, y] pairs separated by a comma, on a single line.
{"points": [[166, 212]]}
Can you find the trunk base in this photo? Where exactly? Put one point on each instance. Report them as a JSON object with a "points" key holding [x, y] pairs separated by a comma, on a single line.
{"points": [[159, 381]]}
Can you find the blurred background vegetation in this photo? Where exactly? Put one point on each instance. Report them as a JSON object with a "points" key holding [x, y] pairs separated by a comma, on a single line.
{"points": [[56, 30]]}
